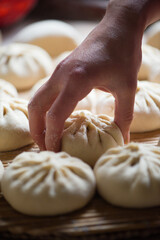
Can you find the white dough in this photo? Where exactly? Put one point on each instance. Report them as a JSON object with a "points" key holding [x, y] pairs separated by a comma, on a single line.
{"points": [[153, 35], [8, 88], [129, 176], [146, 108], [47, 183], [54, 36], [88, 136], [150, 67], [24, 64], [14, 125]]}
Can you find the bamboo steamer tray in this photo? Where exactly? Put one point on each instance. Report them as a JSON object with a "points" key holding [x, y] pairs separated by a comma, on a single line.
{"points": [[98, 220]]}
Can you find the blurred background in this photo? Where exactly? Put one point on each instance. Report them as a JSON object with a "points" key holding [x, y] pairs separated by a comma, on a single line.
{"points": [[15, 11]]}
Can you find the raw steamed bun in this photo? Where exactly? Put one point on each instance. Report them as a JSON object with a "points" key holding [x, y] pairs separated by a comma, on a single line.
{"points": [[24, 64], [88, 136], [52, 35], [8, 88], [14, 125], [150, 67], [153, 35], [47, 183], [129, 176], [146, 108]]}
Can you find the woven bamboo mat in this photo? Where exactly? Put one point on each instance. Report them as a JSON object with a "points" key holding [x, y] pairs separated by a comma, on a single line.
{"points": [[98, 220]]}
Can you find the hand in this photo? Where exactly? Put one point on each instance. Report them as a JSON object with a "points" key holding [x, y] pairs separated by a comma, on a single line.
{"points": [[108, 59]]}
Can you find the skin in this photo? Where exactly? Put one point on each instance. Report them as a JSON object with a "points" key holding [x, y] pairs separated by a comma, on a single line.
{"points": [[108, 59]]}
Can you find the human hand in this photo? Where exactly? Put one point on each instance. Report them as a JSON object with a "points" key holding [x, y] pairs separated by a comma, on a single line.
{"points": [[108, 59]]}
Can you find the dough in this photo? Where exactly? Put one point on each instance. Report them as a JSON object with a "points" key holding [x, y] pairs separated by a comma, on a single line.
{"points": [[47, 183], [153, 35], [150, 67], [129, 176], [24, 64], [14, 125], [146, 108], [52, 35], [88, 136], [7, 88]]}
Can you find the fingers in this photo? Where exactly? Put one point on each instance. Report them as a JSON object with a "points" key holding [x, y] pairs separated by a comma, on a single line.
{"points": [[58, 113], [124, 107], [37, 108]]}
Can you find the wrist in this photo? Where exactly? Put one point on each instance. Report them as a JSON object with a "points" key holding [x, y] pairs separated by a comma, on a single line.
{"points": [[127, 13]]}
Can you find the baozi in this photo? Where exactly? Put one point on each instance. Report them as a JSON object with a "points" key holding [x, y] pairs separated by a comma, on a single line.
{"points": [[47, 183], [150, 67], [129, 176], [14, 125], [7, 88], [88, 136], [146, 108], [54, 36], [153, 35], [24, 64]]}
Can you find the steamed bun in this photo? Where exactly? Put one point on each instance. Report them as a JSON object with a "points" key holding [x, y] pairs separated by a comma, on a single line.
{"points": [[24, 64], [146, 108], [14, 125], [129, 176], [88, 136], [8, 88], [54, 36], [47, 183], [153, 35], [150, 67]]}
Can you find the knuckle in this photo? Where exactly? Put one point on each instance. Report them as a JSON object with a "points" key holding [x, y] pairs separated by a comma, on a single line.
{"points": [[78, 72], [50, 116], [34, 106]]}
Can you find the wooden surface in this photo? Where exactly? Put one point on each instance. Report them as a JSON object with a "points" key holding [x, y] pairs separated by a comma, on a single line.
{"points": [[98, 220]]}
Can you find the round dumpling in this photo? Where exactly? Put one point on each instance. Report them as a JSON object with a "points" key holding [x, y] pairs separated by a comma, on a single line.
{"points": [[14, 125], [8, 88], [54, 36], [47, 183], [88, 136], [24, 64], [129, 176], [146, 108], [153, 35], [150, 69]]}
